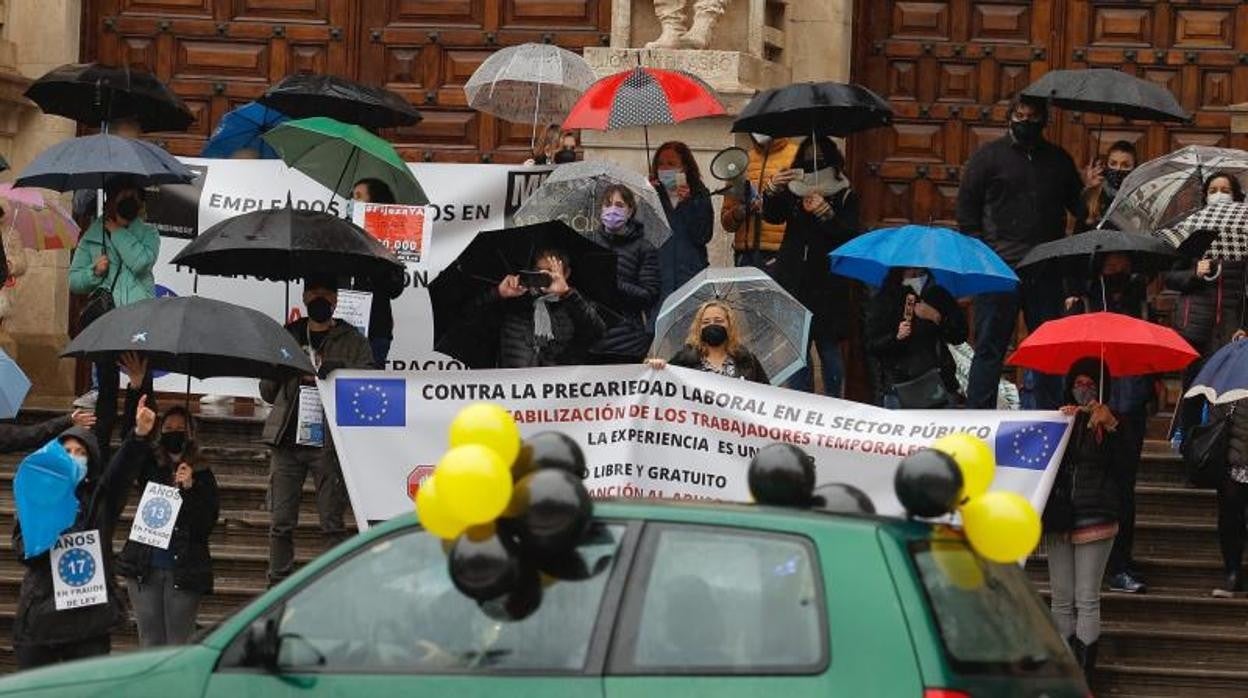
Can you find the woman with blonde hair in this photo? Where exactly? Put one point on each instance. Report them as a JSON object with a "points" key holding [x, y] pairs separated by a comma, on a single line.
{"points": [[714, 345]]}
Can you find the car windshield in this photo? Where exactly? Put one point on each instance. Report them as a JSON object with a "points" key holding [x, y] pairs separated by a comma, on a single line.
{"points": [[989, 618]]}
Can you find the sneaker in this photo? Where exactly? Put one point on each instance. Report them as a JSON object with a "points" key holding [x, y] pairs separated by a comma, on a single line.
{"points": [[1127, 583], [1176, 441], [86, 401], [214, 399], [1232, 586]]}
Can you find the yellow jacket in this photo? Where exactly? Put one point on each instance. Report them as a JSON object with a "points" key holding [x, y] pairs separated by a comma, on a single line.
{"points": [[780, 154]]}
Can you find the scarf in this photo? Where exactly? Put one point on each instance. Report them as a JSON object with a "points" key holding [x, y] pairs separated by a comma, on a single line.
{"points": [[542, 330]]}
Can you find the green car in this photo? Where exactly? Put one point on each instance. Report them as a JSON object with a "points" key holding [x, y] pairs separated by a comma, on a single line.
{"points": [[673, 600]]}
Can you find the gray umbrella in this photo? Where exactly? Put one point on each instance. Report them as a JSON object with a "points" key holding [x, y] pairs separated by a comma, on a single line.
{"points": [[1162, 191], [571, 194], [88, 162], [529, 83], [775, 327]]}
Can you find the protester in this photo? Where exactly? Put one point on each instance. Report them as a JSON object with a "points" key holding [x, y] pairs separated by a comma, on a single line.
{"points": [[636, 278], [714, 345], [115, 255], [381, 313], [1014, 195], [85, 201], [303, 445], [687, 203], [755, 241], [567, 149], [13, 264], [165, 585], [551, 325], [1233, 496], [16, 438], [43, 635], [545, 149], [818, 218], [1104, 180], [1081, 516], [909, 322]]}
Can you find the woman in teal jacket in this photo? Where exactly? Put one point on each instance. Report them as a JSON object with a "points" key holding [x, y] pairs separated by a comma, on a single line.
{"points": [[117, 253]]}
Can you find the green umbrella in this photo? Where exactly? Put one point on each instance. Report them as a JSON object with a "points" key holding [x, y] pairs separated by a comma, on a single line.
{"points": [[338, 155]]}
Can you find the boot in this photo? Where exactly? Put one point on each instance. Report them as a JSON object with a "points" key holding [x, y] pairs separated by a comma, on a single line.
{"points": [[699, 35], [1089, 659], [1080, 651]]}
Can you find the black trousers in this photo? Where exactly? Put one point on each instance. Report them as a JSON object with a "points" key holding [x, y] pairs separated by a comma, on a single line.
{"points": [[31, 656], [106, 405], [1120, 557], [1232, 503]]}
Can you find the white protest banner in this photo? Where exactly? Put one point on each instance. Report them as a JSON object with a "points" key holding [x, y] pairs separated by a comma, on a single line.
{"points": [[310, 421], [78, 571], [465, 199], [354, 308], [673, 433], [157, 515]]}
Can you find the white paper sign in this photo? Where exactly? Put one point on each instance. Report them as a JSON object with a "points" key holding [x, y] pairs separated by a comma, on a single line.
{"points": [[156, 516], [311, 423], [78, 571], [354, 308]]}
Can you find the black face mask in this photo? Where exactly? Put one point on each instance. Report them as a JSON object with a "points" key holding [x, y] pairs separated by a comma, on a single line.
{"points": [[320, 310], [714, 335], [565, 155], [1027, 132], [128, 208], [173, 441], [1115, 178]]}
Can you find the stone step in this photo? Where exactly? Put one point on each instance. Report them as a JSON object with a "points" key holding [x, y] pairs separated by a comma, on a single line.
{"points": [[1170, 608], [1190, 575], [1191, 646], [1157, 677]]}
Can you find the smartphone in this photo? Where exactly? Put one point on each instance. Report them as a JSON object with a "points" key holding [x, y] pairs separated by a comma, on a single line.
{"points": [[534, 279]]}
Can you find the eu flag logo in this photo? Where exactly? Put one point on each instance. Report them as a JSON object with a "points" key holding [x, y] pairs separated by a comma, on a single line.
{"points": [[371, 402], [1028, 444]]}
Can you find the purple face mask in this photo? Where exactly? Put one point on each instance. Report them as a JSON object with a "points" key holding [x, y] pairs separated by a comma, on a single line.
{"points": [[614, 218]]}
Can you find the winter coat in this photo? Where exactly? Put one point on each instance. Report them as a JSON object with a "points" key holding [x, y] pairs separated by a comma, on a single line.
{"points": [[755, 232], [747, 365], [1086, 491], [344, 347], [1208, 312], [101, 497], [1237, 444], [574, 322], [637, 290], [802, 265], [902, 360], [192, 568], [1014, 198], [684, 253], [380, 314], [131, 255], [22, 437]]}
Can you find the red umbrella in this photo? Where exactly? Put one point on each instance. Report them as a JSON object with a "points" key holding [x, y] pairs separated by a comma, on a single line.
{"points": [[1129, 346], [643, 97]]}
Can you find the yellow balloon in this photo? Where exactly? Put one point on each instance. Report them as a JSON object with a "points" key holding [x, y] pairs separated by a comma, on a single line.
{"points": [[487, 425], [974, 458], [431, 510], [474, 483], [1001, 526], [958, 563]]}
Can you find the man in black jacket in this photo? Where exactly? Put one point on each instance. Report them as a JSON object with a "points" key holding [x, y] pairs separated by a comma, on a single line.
{"points": [[1014, 195]]}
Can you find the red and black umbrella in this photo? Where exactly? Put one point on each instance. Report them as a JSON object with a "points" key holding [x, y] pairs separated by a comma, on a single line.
{"points": [[1128, 346]]}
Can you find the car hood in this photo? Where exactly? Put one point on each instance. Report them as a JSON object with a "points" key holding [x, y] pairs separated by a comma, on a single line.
{"points": [[124, 667]]}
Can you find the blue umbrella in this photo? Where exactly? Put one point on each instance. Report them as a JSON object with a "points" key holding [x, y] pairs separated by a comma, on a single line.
{"points": [[242, 128], [43, 490], [13, 387], [1224, 377], [962, 265]]}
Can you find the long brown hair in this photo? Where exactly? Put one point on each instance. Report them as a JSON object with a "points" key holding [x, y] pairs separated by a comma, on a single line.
{"points": [[693, 175], [694, 339]]}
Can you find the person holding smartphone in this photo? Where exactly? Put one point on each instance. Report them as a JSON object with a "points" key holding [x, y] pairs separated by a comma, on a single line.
{"points": [[687, 203]]}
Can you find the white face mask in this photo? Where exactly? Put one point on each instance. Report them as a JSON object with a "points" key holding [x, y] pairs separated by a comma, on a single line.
{"points": [[761, 139], [1219, 197], [915, 283]]}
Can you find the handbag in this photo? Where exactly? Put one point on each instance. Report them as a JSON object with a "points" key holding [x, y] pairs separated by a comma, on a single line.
{"points": [[1204, 452], [100, 300], [927, 390]]}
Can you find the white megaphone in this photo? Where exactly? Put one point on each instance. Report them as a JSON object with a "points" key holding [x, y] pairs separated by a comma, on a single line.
{"points": [[729, 166]]}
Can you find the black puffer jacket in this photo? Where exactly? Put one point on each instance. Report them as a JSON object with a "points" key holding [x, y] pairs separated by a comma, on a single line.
{"points": [[192, 569], [101, 497], [574, 322], [906, 359], [1086, 490], [748, 367], [1237, 444], [1209, 312], [637, 289]]}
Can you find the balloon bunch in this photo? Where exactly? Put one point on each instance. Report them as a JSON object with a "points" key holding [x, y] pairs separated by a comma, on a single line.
{"points": [[510, 512], [784, 475], [954, 475]]}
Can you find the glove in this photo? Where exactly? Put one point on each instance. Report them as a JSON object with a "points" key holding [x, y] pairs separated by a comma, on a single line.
{"points": [[328, 367]]}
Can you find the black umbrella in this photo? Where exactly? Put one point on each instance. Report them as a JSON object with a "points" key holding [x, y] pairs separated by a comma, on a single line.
{"points": [[300, 96], [814, 108], [284, 244], [196, 336], [92, 93], [1073, 256], [88, 162], [1106, 91]]}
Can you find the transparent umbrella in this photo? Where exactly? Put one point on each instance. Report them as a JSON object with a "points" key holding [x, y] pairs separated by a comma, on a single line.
{"points": [[1162, 191], [536, 83], [774, 326]]}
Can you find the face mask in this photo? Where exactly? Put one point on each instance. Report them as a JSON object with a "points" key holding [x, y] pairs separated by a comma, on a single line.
{"points": [[1027, 132], [1114, 178], [614, 218], [320, 310], [173, 441], [915, 284], [565, 155], [1083, 395], [80, 466], [128, 208], [714, 335], [761, 139], [667, 177], [1219, 197]]}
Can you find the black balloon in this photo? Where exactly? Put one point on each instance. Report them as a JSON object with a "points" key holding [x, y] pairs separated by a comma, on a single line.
{"points": [[927, 483], [841, 498], [483, 564], [551, 449], [782, 475], [555, 512], [519, 603]]}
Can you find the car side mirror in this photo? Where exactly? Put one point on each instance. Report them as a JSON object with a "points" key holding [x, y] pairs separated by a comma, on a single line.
{"points": [[263, 644]]}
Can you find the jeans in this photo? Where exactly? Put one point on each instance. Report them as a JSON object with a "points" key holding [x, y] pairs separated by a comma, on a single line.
{"points": [[833, 369], [1232, 503], [1075, 574], [381, 350], [996, 316], [165, 614], [31, 656], [288, 468]]}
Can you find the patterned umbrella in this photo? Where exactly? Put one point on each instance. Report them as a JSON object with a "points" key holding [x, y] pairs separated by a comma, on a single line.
{"points": [[1162, 191], [536, 83], [571, 195], [1225, 228], [41, 223]]}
